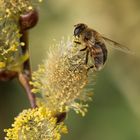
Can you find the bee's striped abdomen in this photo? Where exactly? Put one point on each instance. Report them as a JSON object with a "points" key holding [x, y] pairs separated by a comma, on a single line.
{"points": [[99, 54]]}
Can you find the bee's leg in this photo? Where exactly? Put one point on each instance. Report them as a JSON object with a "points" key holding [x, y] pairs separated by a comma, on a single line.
{"points": [[77, 42], [87, 54], [91, 67], [84, 49], [95, 67]]}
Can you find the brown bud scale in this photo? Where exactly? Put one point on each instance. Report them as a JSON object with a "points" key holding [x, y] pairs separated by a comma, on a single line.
{"points": [[28, 20], [7, 75]]}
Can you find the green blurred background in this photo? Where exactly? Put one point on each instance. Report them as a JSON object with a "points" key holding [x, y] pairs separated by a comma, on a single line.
{"points": [[114, 113]]}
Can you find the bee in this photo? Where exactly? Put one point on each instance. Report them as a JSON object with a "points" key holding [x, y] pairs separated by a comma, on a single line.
{"points": [[95, 45]]}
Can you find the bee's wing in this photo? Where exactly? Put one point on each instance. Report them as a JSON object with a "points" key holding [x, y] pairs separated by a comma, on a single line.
{"points": [[117, 45]]}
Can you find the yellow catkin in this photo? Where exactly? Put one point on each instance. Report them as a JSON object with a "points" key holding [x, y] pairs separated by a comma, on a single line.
{"points": [[61, 80], [37, 124], [10, 11], [2, 65]]}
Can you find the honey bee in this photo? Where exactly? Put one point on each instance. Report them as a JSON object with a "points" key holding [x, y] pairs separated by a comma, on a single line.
{"points": [[95, 45]]}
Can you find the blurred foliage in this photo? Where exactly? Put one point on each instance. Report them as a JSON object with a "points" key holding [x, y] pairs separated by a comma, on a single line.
{"points": [[114, 113]]}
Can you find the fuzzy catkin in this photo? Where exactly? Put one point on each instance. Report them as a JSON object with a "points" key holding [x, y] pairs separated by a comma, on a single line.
{"points": [[35, 124], [61, 79], [10, 45]]}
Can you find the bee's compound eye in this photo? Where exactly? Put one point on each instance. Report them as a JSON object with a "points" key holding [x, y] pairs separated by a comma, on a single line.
{"points": [[79, 29], [76, 31]]}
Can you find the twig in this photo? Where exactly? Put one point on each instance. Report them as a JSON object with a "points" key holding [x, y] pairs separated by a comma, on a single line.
{"points": [[27, 21]]}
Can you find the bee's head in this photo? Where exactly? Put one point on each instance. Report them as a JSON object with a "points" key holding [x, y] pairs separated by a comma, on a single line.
{"points": [[79, 28]]}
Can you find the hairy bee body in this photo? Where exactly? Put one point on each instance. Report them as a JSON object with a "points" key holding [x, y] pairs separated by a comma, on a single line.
{"points": [[95, 45]]}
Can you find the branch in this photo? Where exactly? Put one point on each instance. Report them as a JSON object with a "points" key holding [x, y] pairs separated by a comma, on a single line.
{"points": [[27, 21]]}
